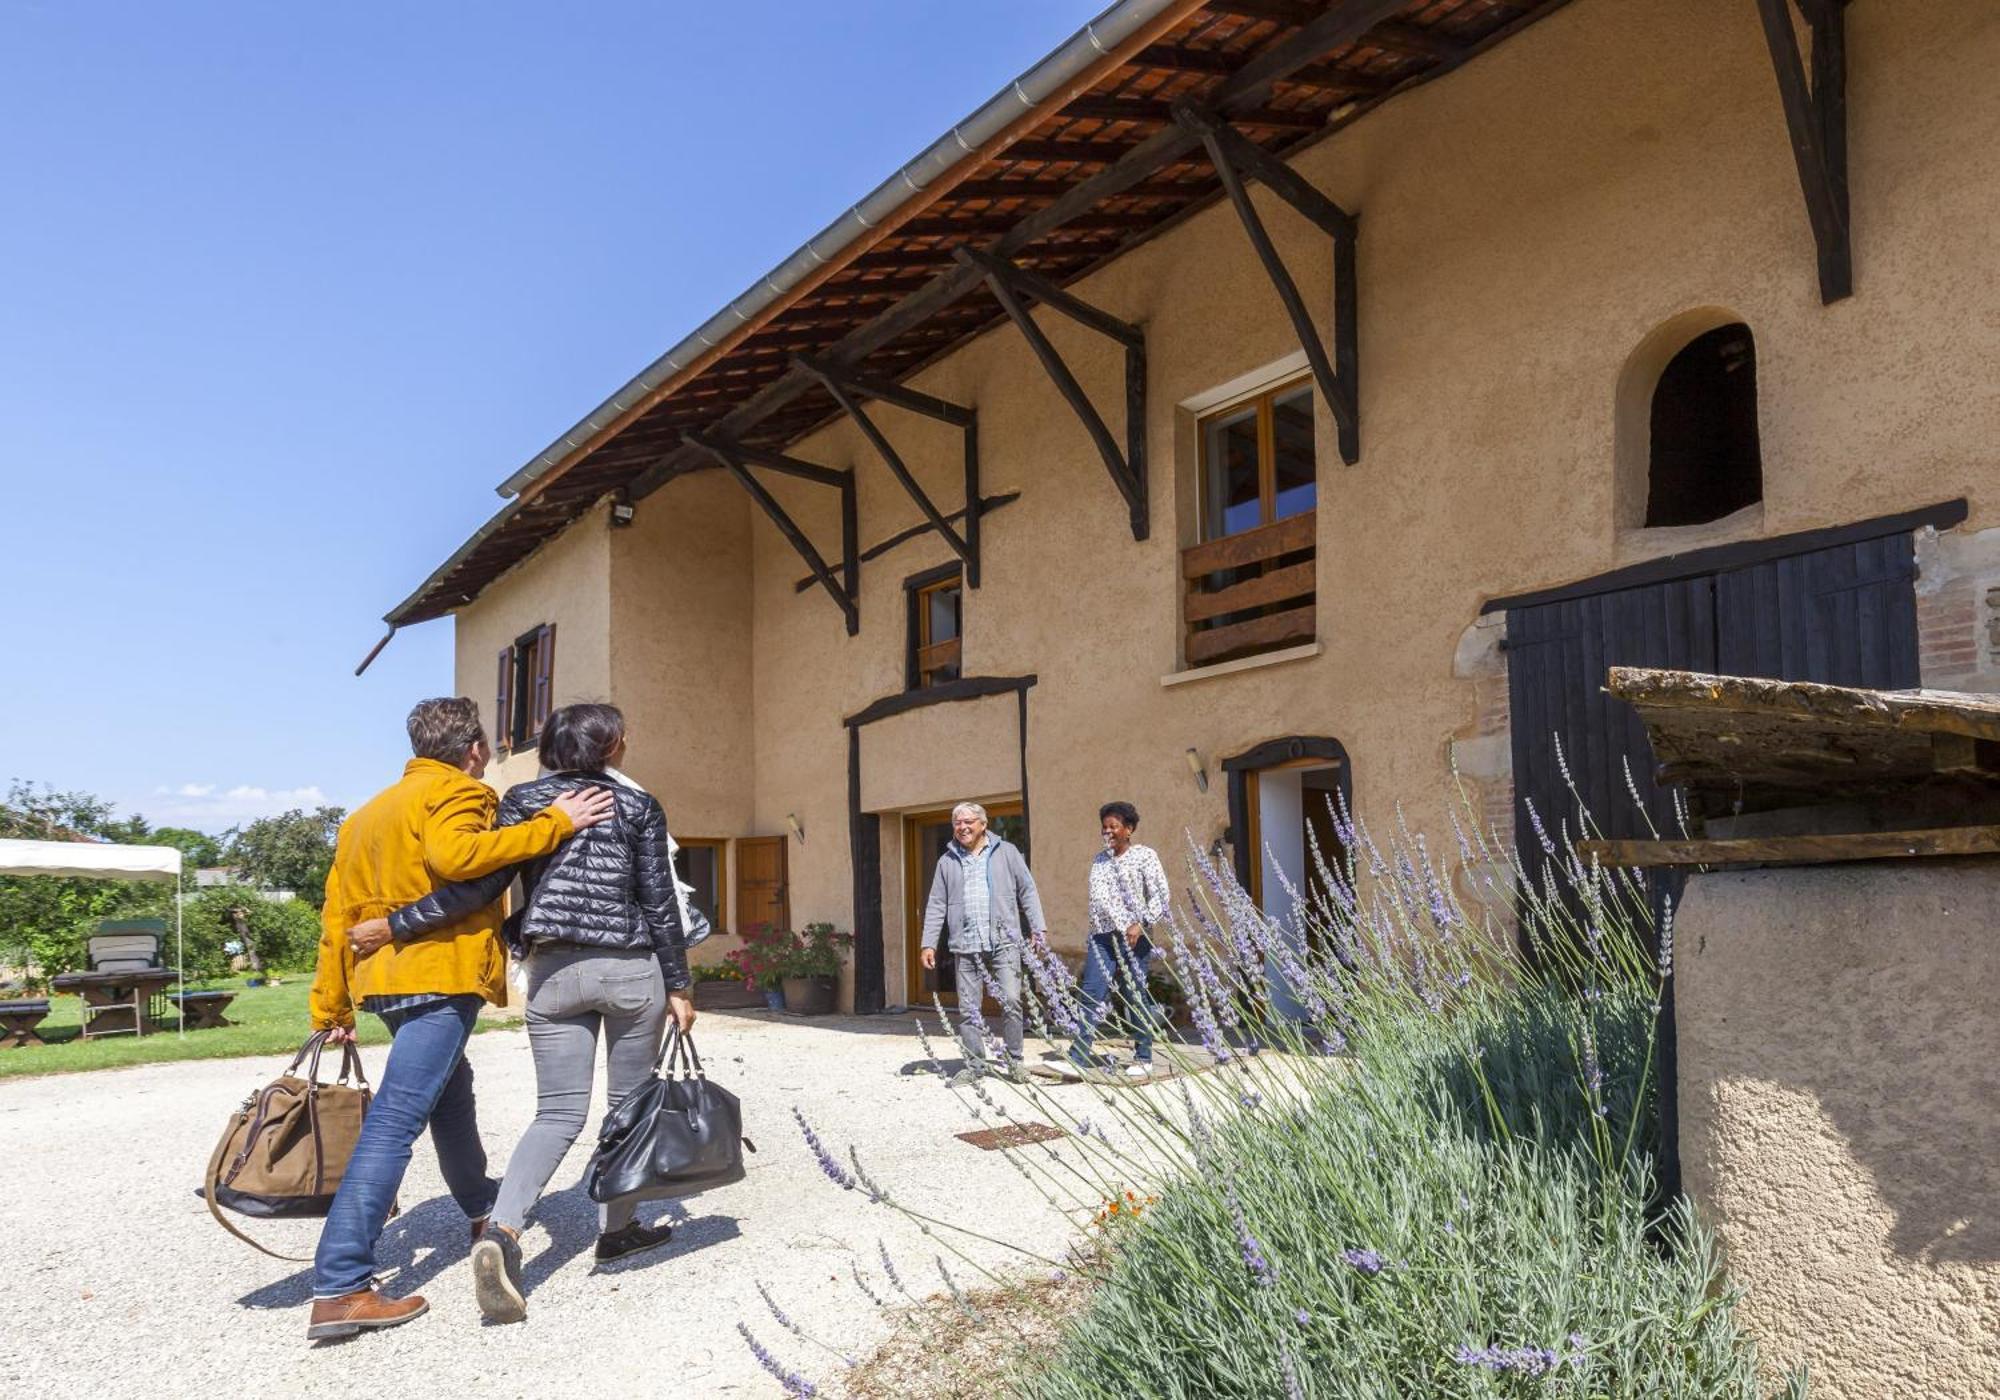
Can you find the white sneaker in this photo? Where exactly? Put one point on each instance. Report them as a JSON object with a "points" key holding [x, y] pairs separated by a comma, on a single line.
{"points": [[1139, 1069]]}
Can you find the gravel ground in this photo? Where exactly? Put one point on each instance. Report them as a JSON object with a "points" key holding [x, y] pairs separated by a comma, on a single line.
{"points": [[113, 1277]]}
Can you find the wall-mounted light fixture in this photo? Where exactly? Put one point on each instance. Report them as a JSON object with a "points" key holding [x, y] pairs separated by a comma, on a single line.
{"points": [[795, 826], [1195, 767], [623, 512]]}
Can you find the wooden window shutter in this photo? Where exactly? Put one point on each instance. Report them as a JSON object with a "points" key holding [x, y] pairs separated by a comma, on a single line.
{"points": [[545, 675], [503, 702]]}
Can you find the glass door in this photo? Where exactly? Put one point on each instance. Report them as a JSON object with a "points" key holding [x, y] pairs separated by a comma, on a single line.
{"points": [[925, 835]]}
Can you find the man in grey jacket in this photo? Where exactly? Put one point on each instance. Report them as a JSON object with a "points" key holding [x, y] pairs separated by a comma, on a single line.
{"points": [[983, 893]]}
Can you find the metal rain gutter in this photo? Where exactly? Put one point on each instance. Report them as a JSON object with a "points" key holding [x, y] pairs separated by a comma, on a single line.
{"points": [[1047, 78]]}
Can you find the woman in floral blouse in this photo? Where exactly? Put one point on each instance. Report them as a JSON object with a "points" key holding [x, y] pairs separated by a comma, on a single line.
{"points": [[1128, 895]]}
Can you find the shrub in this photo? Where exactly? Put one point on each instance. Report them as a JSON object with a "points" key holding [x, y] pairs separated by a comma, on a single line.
{"points": [[284, 933], [1437, 1182]]}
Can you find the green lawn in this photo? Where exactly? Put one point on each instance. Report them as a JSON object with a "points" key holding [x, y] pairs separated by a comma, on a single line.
{"points": [[267, 1021]]}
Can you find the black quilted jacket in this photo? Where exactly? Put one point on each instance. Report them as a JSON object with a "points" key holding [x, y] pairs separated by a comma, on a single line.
{"points": [[610, 886]]}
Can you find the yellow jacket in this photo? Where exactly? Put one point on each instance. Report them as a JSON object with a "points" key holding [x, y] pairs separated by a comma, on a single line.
{"points": [[433, 827]]}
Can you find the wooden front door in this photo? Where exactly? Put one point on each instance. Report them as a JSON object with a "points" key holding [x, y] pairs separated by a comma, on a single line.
{"points": [[762, 893], [925, 835]]}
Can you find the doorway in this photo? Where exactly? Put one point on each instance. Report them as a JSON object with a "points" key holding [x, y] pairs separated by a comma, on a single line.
{"points": [[925, 835], [1283, 798], [763, 896]]}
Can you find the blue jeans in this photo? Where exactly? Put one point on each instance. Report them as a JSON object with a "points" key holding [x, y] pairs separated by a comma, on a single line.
{"points": [[427, 1082], [1109, 966]]}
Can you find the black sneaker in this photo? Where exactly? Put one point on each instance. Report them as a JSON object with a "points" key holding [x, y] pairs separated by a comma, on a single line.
{"points": [[496, 1275], [631, 1240]]}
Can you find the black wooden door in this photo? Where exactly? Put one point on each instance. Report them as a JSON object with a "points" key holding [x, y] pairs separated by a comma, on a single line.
{"points": [[1841, 616], [1557, 657]]}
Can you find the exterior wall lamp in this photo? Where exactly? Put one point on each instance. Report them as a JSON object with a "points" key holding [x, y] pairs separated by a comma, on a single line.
{"points": [[795, 826], [1196, 767]]}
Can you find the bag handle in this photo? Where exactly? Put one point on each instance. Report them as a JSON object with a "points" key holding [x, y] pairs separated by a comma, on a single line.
{"points": [[350, 1060], [677, 1054], [208, 1193]]}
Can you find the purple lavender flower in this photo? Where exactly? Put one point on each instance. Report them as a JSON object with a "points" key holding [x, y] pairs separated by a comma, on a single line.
{"points": [[792, 1381], [1365, 1261], [1254, 1259], [1290, 1368], [835, 1173], [1302, 1317], [1531, 1361], [1666, 938], [1541, 832], [889, 1266]]}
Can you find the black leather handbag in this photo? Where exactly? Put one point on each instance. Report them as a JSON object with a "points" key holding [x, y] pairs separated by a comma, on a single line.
{"points": [[674, 1135]]}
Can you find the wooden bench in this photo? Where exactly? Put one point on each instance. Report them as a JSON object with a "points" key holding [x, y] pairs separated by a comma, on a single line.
{"points": [[18, 1020], [202, 1011]]}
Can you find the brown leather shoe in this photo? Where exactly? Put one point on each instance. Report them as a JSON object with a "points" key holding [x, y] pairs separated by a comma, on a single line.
{"points": [[363, 1311]]}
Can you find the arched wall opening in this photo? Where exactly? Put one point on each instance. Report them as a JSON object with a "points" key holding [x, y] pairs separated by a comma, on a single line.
{"points": [[1687, 441]]}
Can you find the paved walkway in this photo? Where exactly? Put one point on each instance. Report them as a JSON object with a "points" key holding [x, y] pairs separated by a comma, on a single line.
{"points": [[113, 1279]]}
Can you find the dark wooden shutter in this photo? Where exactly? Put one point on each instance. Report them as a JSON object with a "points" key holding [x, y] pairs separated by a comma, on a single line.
{"points": [[503, 702], [545, 676]]}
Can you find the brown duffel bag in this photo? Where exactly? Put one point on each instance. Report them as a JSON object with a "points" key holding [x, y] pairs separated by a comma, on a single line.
{"points": [[285, 1150]]}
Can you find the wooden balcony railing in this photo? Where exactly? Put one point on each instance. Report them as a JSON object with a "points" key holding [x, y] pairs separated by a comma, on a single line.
{"points": [[1250, 592]]}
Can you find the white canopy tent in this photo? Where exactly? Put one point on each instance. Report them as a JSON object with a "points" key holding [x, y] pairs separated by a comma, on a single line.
{"points": [[93, 860]]}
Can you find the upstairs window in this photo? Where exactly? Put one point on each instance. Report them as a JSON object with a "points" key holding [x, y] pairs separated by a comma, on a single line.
{"points": [[526, 684], [1249, 584], [936, 618], [1704, 461], [1258, 462]]}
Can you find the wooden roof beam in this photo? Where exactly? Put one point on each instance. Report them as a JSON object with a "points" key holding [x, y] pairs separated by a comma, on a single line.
{"points": [[736, 457], [1235, 157], [1816, 117]]}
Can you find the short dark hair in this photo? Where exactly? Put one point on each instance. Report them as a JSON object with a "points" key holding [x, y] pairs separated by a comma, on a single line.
{"points": [[581, 737], [445, 729], [1124, 811]]}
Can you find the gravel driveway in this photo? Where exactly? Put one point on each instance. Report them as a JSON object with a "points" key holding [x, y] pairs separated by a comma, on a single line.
{"points": [[114, 1279]]}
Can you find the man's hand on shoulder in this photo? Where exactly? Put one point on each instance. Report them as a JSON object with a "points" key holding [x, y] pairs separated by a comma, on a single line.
{"points": [[586, 807]]}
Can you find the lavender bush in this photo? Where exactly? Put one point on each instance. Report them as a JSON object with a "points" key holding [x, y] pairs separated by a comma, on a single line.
{"points": [[1436, 1180]]}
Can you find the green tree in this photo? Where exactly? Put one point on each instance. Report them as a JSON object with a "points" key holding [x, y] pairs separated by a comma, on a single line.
{"points": [[288, 852], [223, 921], [197, 848], [44, 920]]}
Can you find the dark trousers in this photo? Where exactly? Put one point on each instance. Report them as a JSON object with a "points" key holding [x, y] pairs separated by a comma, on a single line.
{"points": [[427, 1084], [1109, 967]]}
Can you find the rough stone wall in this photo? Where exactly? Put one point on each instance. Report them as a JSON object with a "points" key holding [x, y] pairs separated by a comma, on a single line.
{"points": [[1839, 1077], [1958, 610]]}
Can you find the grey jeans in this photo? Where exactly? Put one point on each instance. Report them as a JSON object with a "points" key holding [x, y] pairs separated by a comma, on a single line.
{"points": [[571, 993], [1002, 965]]}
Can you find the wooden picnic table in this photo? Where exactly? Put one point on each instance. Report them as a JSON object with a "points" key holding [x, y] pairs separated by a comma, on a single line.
{"points": [[117, 1002], [18, 1018], [202, 1011]]}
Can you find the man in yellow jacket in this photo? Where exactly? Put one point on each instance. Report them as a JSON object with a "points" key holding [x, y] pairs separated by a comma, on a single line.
{"points": [[432, 827]]}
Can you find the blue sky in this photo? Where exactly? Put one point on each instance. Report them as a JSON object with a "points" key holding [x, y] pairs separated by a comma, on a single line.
{"points": [[288, 288]]}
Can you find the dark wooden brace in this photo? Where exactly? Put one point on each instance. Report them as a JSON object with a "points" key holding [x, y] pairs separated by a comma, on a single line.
{"points": [[848, 388], [738, 457], [1013, 286], [1816, 117], [1235, 157]]}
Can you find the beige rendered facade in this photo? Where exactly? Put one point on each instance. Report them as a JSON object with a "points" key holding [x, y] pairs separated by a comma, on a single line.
{"points": [[1530, 225], [1541, 231]]}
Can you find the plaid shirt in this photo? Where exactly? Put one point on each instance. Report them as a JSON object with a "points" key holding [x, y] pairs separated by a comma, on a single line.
{"points": [[978, 934]]}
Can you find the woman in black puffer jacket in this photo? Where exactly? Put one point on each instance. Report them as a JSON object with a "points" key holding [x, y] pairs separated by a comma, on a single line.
{"points": [[604, 947]]}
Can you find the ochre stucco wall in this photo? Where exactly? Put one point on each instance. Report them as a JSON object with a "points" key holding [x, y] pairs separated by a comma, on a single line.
{"points": [[566, 582], [1840, 1076], [1526, 223]]}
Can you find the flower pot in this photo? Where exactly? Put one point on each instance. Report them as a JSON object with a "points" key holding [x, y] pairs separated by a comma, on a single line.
{"points": [[811, 996], [774, 998], [727, 995]]}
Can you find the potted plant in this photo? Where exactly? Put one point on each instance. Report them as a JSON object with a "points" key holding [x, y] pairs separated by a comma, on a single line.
{"points": [[812, 969], [762, 960], [720, 986]]}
